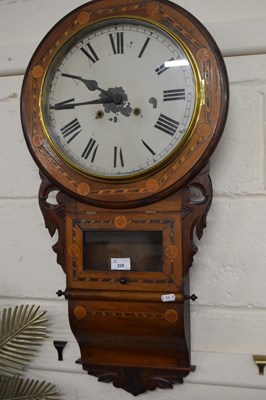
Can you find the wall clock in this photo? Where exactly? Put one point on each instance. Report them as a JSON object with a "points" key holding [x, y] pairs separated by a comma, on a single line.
{"points": [[123, 103]]}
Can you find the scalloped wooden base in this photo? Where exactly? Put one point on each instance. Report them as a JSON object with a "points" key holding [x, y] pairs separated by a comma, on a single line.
{"points": [[138, 380]]}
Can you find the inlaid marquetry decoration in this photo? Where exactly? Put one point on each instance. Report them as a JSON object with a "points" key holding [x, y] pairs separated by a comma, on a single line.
{"points": [[122, 105]]}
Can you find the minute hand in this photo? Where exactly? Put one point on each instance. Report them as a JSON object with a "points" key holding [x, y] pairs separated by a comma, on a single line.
{"points": [[69, 106]]}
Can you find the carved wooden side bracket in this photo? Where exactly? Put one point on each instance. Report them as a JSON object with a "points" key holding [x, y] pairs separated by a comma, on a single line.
{"points": [[54, 216], [196, 201]]}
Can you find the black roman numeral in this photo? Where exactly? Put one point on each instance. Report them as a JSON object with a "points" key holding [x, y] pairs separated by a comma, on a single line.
{"points": [[117, 42], [71, 130], [90, 53], [162, 68], [91, 148], [175, 94], [148, 147], [167, 125], [144, 47], [118, 157]]}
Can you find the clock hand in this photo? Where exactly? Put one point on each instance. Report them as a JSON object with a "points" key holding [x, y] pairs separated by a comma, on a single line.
{"points": [[67, 105], [89, 83]]}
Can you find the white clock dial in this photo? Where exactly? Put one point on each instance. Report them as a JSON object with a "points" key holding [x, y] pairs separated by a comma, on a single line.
{"points": [[120, 98]]}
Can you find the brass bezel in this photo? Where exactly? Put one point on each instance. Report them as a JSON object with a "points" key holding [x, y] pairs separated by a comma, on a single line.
{"points": [[199, 102]]}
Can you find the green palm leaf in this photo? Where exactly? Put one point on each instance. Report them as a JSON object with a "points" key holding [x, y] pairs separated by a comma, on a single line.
{"points": [[21, 329], [17, 389]]}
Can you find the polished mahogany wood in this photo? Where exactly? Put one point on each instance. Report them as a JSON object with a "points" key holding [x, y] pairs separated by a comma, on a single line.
{"points": [[128, 334]]}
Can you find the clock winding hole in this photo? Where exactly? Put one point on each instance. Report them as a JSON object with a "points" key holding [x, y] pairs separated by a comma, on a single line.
{"points": [[99, 114], [137, 111]]}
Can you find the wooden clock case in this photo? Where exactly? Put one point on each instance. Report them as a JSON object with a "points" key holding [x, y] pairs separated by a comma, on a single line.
{"points": [[133, 327]]}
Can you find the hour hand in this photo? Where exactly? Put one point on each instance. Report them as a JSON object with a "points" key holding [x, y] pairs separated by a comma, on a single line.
{"points": [[69, 104], [91, 84]]}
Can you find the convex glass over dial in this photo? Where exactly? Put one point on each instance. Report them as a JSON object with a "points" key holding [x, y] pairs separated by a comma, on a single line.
{"points": [[120, 98]]}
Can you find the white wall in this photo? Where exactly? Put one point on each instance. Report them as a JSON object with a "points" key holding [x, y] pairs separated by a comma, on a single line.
{"points": [[229, 274]]}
